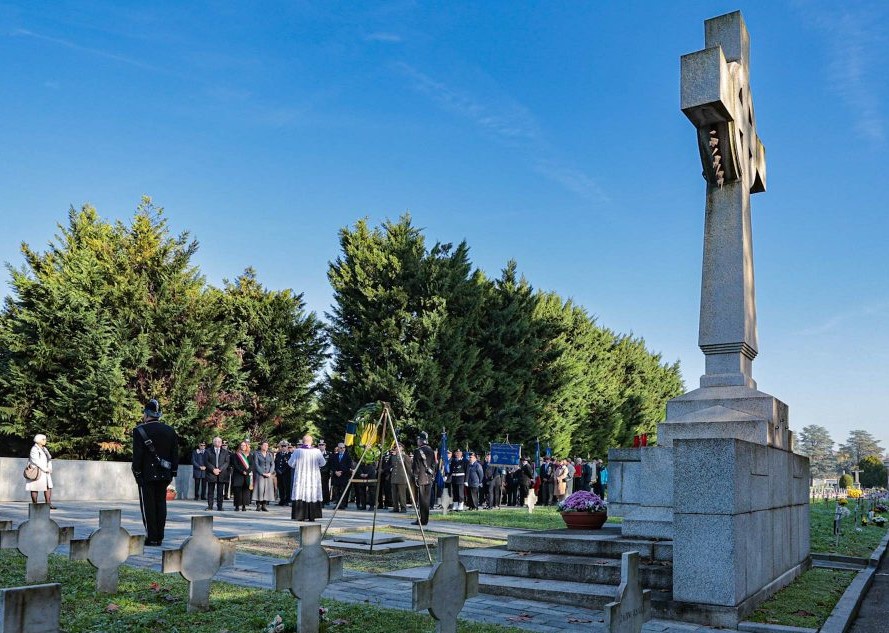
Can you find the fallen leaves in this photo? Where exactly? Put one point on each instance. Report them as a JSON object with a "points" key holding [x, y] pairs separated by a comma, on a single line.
{"points": [[522, 617], [112, 608], [578, 621]]}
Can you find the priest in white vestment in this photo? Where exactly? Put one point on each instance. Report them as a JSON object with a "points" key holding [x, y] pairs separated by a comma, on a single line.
{"points": [[306, 462]]}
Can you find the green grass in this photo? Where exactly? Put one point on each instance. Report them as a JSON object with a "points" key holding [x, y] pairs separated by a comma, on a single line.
{"points": [[148, 602], [543, 518], [807, 601], [376, 563], [852, 543]]}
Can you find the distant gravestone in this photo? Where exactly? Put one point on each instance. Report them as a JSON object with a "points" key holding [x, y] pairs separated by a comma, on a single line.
{"points": [[198, 560], [36, 539], [106, 549], [307, 573], [448, 586], [5, 525], [632, 608], [445, 501], [531, 500], [34, 609]]}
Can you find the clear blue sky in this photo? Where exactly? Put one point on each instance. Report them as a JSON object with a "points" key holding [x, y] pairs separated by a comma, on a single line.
{"points": [[548, 132]]}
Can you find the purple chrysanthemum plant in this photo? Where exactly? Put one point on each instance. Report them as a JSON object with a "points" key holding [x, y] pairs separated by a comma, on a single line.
{"points": [[583, 501]]}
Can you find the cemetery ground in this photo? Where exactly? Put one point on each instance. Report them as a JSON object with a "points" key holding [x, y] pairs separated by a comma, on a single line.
{"points": [[241, 599]]}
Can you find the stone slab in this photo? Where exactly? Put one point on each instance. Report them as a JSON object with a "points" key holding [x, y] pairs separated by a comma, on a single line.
{"points": [[378, 548], [366, 538], [33, 609]]}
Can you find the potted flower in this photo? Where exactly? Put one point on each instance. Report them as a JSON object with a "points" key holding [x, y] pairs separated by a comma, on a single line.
{"points": [[171, 491], [583, 511]]}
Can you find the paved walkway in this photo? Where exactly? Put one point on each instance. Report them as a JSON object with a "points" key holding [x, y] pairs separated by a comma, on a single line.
{"points": [[385, 591], [873, 617]]}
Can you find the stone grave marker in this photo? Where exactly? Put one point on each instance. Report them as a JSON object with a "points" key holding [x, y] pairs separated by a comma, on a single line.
{"points": [[531, 500], [445, 501], [632, 608], [198, 559], [5, 525], [448, 586], [106, 549], [36, 539], [308, 572], [34, 609]]}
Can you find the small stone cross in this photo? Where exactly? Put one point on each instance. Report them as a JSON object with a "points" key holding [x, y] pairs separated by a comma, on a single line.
{"points": [[33, 609], [106, 549], [306, 575], [36, 539], [531, 500], [198, 559], [448, 586], [632, 607]]}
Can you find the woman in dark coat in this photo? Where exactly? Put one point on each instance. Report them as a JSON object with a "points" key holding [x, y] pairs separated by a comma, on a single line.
{"points": [[242, 476]]}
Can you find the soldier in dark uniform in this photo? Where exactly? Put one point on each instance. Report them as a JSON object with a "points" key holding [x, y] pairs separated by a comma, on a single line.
{"points": [[325, 473], [155, 462], [423, 472], [283, 472], [525, 480], [492, 483]]}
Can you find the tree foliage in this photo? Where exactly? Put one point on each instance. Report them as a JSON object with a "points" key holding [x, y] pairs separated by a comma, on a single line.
{"points": [[873, 472], [814, 442], [112, 314], [858, 445], [481, 358]]}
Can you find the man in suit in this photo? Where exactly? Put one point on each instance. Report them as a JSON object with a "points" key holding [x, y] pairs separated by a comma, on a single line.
{"points": [[217, 460], [342, 470], [199, 471], [155, 462], [325, 473]]}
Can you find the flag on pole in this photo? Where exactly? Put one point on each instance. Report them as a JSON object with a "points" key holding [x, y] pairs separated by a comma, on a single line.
{"points": [[351, 429], [444, 466], [537, 457]]}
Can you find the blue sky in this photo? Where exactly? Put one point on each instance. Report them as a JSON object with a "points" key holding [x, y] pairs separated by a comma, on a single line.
{"points": [[548, 132]]}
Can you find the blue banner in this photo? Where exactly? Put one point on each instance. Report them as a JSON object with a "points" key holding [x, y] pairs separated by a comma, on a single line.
{"points": [[506, 454]]}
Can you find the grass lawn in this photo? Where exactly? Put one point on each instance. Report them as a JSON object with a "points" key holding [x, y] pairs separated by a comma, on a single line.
{"points": [[859, 542], [377, 563], [148, 602], [808, 601], [543, 518]]}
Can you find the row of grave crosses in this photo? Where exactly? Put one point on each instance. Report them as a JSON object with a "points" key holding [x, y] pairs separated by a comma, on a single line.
{"points": [[308, 572], [306, 575]]}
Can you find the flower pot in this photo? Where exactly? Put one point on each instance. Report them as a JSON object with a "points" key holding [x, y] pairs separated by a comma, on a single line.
{"points": [[584, 520], [171, 495]]}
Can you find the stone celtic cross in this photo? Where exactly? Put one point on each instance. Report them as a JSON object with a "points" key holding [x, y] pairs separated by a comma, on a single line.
{"points": [[36, 539], [33, 609], [106, 549], [716, 98], [632, 607], [306, 575], [448, 586], [198, 559]]}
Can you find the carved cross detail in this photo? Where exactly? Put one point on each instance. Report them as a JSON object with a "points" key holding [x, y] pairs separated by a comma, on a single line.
{"points": [[36, 539], [106, 549], [447, 588], [716, 98], [306, 575], [198, 559], [632, 606]]}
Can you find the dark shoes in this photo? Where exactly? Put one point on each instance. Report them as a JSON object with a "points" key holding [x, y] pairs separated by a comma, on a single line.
{"points": [[153, 543]]}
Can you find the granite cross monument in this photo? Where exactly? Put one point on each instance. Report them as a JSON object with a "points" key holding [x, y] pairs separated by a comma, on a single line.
{"points": [[36, 539], [198, 560], [106, 549], [448, 586]]}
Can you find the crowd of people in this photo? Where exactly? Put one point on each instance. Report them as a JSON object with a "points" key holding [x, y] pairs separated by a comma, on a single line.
{"points": [[308, 478], [267, 476]]}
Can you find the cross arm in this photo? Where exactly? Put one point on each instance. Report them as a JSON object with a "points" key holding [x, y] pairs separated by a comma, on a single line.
{"points": [[172, 561]]}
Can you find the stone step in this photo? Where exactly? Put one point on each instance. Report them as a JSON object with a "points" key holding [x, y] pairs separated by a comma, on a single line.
{"points": [[582, 569], [567, 592], [605, 543]]}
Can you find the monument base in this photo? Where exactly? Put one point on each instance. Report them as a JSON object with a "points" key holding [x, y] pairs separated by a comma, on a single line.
{"points": [[724, 486]]}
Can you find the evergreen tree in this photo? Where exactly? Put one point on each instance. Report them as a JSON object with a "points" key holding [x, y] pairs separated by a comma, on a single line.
{"points": [[281, 348], [814, 442], [858, 445]]}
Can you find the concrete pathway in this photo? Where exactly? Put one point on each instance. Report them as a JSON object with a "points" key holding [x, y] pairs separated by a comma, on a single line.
{"points": [[873, 616], [382, 590]]}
